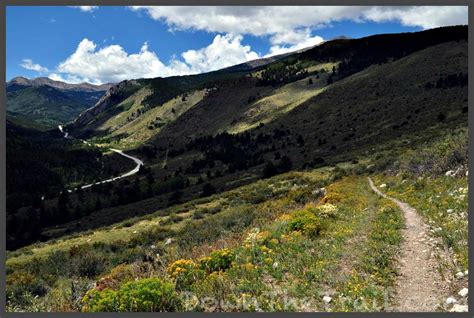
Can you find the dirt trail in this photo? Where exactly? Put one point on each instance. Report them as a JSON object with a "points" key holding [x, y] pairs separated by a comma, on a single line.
{"points": [[419, 286]]}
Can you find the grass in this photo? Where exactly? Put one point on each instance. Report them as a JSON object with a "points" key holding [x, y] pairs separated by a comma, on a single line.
{"points": [[129, 105], [98, 252], [279, 244], [416, 174], [240, 196], [321, 66], [287, 246], [129, 134], [282, 100], [442, 201], [274, 266]]}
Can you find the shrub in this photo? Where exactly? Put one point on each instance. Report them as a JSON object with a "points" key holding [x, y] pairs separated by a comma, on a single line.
{"points": [[152, 235], [264, 236], [207, 190], [129, 255], [338, 173], [22, 283], [333, 197], [305, 221], [419, 184], [215, 226], [197, 214], [87, 263], [301, 196], [52, 266], [217, 261], [218, 287], [327, 210], [255, 237], [185, 272], [257, 197], [145, 295], [66, 295], [127, 223], [119, 274], [172, 218], [29, 303], [214, 210]]}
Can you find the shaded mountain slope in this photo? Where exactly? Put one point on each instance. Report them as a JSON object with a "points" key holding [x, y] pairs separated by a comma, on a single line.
{"points": [[379, 103], [346, 121], [158, 91], [383, 102], [276, 127], [242, 100]]}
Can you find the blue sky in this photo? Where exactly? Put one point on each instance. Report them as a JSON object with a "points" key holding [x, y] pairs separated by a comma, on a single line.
{"points": [[103, 44]]}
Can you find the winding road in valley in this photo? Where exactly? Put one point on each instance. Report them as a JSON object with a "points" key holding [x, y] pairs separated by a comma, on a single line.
{"points": [[138, 162]]}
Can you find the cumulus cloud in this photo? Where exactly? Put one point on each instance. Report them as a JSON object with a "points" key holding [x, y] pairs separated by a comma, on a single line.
{"points": [[29, 65], [256, 20], [110, 63], [288, 28], [113, 64], [56, 77], [69, 78], [279, 22], [426, 17], [294, 40], [86, 8], [225, 50]]}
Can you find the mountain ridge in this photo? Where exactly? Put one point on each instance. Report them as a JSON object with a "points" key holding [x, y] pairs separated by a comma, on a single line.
{"points": [[351, 52], [48, 102], [40, 81]]}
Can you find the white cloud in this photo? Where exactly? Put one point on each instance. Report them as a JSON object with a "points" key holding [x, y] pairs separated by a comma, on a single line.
{"points": [[68, 78], [287, 28], [276, 21], [225, 50], [426, 17], [112, 64], [29, 65], [56, 77], [86, 8], [295, 40]]}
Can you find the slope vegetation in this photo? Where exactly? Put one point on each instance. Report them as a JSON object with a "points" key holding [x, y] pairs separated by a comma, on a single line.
{"points": [[397, 103], [255, 193], [47, 102]]}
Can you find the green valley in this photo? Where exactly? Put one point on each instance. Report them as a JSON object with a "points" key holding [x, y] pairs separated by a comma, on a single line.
{"points": [[270, 185]]}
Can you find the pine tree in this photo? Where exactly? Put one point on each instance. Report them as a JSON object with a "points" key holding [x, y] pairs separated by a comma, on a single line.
{"points": [[270, 170], [285, 164]]}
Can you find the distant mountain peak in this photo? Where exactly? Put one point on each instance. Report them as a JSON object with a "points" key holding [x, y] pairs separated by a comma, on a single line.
{"points": [[20, 80], [41, 81]]}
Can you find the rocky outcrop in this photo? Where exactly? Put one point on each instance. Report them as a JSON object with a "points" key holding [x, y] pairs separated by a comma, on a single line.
{"points": [[112, 97]]}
